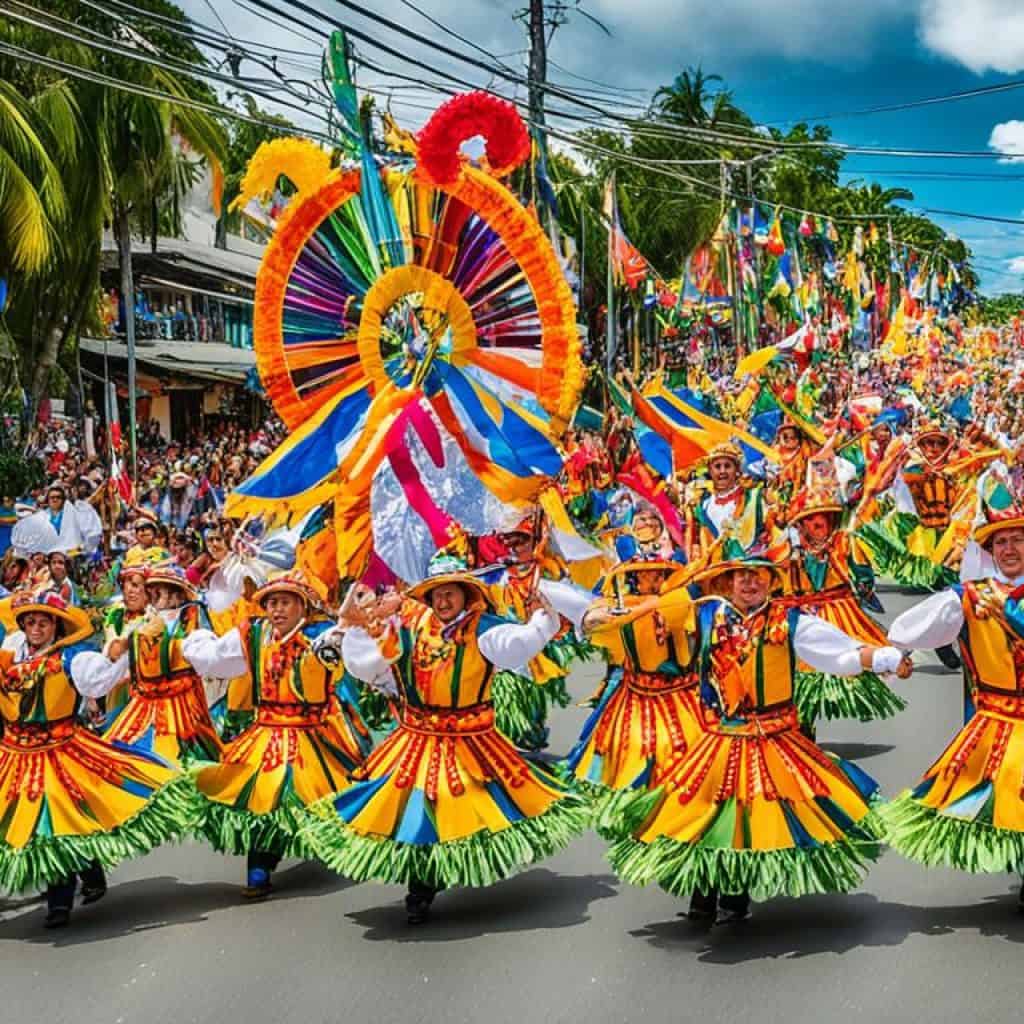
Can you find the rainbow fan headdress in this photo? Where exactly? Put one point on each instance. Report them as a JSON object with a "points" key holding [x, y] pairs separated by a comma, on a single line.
{"points": [[414, 330]]}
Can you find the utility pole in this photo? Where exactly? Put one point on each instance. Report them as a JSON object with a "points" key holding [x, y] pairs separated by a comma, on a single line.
{"points": [[538, 73]]}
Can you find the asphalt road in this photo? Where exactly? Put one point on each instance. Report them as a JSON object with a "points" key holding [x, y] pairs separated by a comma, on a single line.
{"points": [[172, 942]]}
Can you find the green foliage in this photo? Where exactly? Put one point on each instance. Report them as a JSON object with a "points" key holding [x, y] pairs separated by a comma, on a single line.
{"points": [[18, 475], [999, 309]]}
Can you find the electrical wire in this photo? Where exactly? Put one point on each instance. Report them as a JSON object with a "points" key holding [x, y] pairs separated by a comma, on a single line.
{"points": [[98, 78]]}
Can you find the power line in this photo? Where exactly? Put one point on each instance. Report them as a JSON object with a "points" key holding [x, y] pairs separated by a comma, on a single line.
{"points": [[98, 78], [166, 64]]}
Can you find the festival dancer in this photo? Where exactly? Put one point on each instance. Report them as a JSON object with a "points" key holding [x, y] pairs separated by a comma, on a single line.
{"points": [[124, 616], [302, 743], [645, 720], [730, 506], [795, 450], [967, 812], [755, 807], [828, 575], [166, 711], [446, 799], [71, 804], [522, 701]]}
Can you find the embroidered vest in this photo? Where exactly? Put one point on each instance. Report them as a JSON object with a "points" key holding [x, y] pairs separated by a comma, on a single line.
{"points": [[36, 691], [994, 655], [747, 661], [444, 668], [288, 672]]}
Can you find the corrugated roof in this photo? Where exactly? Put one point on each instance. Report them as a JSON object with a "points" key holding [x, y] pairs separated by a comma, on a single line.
{"points": [[208, 360]]}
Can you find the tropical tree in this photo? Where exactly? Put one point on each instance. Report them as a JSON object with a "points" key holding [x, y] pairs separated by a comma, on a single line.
{"points": [[123, 156]]}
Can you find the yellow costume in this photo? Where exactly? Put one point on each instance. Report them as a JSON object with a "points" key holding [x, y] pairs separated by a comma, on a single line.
{"points": [[68, 798], [650, 717], [754, 806], [446, 799]]}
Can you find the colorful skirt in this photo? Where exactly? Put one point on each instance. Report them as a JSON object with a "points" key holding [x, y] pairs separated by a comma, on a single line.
{"points": [[968, 810], [522, 702], [445, 800], [865, 697], [755, 807], [169, 719], [68, 798], [292, 756], [633, 739], [900, 548]]}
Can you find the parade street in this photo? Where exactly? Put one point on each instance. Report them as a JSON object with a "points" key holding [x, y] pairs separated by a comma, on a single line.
{"points": [[172, 942]]}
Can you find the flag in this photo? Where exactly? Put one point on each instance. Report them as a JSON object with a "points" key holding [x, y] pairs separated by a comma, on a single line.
{"points": [[776, 244], [628, 264]]}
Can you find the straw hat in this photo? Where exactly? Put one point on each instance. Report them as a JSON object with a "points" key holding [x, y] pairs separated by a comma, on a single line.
{"points": [[446, 568], [72, 620]]}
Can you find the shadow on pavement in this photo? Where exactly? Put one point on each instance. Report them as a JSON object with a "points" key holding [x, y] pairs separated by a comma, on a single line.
{"points": [[534, 901], [161, 902], [856, 751], [832, 924]]}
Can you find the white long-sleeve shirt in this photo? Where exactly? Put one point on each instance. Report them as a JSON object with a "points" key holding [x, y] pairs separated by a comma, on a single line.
{"points": [[221, 657], [936, 621], [95, 675], [828, 649]]}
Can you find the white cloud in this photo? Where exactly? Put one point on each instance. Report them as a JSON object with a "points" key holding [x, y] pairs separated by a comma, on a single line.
{"points": [[1016, 265], [983, 35], [1008, 138]]}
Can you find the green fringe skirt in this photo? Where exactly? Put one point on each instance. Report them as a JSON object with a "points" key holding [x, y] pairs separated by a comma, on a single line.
{"points": [[866, 697]]}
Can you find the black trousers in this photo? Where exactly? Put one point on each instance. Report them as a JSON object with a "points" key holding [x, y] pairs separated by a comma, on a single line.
{"points": [[60, 895]]}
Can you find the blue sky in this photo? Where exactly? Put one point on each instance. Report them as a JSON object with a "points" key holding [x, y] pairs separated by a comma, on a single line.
{"points": [[782, 58]]}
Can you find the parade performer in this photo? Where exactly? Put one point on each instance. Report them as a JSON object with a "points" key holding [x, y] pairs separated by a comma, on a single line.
{"points": [[967, 812], [522, 701], [71, 804], [166, 711], [795, 450], [828, 575], [301, 745], [126, 614], [445, 800], [911, 542], [755, 807], [648, 717], [729, 506]]}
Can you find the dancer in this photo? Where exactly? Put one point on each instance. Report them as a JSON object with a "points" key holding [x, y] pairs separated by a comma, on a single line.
{"points": [[301, 745], [755, 808], [166, 711], [828, 575], [647, 719], [71, 804], [522, 701], [731, 506], [446, 799], [967, 812]]}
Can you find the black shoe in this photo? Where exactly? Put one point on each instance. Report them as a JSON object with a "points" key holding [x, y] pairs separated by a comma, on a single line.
{"points": [[417, 908], [1020, 900], [93, 894], [733, 908], [948, 656], [703, 908], [58, 917], [737, 916]]}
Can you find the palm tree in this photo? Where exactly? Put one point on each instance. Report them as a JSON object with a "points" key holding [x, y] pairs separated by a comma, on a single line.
{"points": [[33, 201]]}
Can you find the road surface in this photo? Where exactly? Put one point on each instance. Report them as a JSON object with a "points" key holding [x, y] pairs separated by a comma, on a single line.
{"points": [[172, 942]]}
